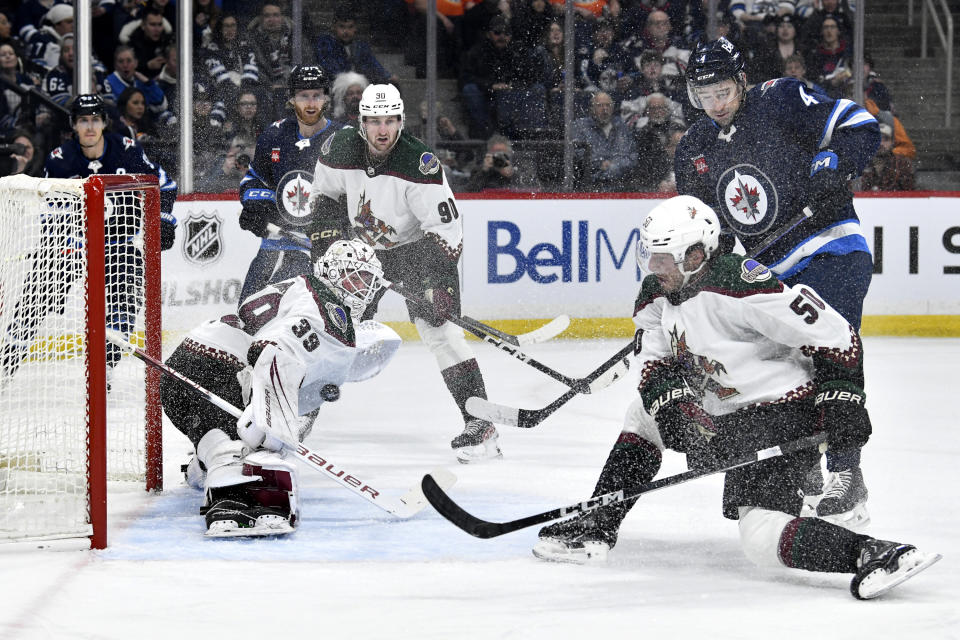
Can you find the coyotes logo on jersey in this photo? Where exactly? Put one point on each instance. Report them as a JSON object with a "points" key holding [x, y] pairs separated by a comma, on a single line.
{"points": [[698, 370], [371, 229]]}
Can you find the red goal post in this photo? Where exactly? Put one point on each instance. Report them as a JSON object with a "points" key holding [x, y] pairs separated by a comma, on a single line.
{"points": [[76, 256]]}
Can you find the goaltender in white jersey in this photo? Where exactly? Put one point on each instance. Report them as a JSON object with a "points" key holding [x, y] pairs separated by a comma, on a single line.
{"points": [[385, 187], [286, 352]]}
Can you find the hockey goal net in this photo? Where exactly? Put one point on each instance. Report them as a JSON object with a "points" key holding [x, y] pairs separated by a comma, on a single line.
{"points": [[76, 257]]}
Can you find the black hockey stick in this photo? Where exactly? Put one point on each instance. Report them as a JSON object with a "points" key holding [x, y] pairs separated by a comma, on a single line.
{"points": [[541, 334], [613, 369], [806, 214], [577, 385], [478, 528], [405, 506]]}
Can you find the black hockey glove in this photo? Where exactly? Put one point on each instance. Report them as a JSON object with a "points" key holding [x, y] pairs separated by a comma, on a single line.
{"points": [[255, 216], [444, 303], [683, 424], [827, 189], [844, 417], [168, 231]]}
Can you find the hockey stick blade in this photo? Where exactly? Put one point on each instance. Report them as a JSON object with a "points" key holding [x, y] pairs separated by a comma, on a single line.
{"points": [[480, 528], [547, 332], [403, 507], [613, 369]]}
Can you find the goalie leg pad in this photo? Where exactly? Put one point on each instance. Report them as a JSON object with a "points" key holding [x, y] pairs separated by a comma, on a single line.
{"points": [[447, 343], [273, 419], [223, 459], [277, 484]]}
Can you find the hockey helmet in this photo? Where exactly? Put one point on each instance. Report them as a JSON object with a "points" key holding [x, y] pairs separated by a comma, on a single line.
{"points": [[352, 271], [712, 62], [308, 77], [88, 104], [380, 100], [672, 228]]}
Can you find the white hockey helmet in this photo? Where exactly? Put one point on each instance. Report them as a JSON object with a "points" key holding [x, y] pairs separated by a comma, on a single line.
{"points": [[673, 227], [352, 271], [380, 100]]}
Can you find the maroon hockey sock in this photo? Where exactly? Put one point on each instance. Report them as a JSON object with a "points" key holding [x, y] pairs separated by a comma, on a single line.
{"points": [[464, 380], [817, 545]]}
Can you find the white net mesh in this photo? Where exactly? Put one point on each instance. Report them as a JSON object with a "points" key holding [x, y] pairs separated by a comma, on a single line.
{"points": [[43, 375]]}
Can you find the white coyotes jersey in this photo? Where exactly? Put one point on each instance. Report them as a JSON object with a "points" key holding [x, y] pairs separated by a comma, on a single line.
{"points": [[743, 338], [390, 204]]}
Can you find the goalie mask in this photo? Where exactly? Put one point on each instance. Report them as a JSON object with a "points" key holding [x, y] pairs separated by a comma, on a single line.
{"points": [[351, 269], [669, 231]]}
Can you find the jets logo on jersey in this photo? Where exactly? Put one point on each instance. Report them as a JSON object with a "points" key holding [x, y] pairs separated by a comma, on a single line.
{"points": [[429, 163], [750, 199], [753, 271], [767, 85], [204, 242], [57, 153], [371, 229], [293, 192]]}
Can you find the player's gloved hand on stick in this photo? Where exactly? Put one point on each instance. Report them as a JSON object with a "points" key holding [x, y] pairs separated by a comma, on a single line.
{"points": [[827, 187], [168, 231], [844, 417], [254, 216], [443, 302], [684, 425]]}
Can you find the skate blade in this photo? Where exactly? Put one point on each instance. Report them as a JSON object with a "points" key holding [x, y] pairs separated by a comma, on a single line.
{"points": [[271, 526], [553, 551], [911, 563]]}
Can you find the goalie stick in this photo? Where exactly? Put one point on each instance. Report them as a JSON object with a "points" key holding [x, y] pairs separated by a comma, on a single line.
{"points": [[577, 385], [405, 506], [603, 376], [479, 528], [541, 334]]}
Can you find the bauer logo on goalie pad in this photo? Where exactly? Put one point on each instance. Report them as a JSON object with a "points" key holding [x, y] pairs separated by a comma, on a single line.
{"points": [[204, 243]]}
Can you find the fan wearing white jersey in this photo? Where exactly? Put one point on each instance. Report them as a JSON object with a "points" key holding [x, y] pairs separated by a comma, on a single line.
{"points": [[287, 351], [733, 361], [390, 189]]}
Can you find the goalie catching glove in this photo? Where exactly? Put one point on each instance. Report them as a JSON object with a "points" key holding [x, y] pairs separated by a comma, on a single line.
{"points": [[272, 420], [843, 415]]}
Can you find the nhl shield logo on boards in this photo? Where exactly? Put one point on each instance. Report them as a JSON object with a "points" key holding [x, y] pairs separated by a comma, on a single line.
{"points": [[204, 242], [293, 195], [750, 199]]}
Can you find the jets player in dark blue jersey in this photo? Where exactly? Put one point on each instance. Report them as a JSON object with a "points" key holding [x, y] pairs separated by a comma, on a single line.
{"points": [[92, 151], [276, 187], [774, 162]]}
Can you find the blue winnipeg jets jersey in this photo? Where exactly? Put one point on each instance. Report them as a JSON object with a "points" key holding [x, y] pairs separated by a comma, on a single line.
{"points": [[756, 175], [282, 172], [120, 155]]}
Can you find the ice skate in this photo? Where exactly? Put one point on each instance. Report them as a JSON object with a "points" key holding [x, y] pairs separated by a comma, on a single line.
{"points": [[232, 516], [579, 540], [883, 565], [477, 442], [844, 502]]}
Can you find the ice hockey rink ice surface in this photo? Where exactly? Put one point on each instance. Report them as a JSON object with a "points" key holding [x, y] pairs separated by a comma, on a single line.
{"points": [[352, 571]]}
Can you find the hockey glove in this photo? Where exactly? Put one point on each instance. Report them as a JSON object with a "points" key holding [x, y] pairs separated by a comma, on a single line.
{"points": [[827, 189], [683, 424], [168, 231], [256, 213], [443, 302], [844, 417]]}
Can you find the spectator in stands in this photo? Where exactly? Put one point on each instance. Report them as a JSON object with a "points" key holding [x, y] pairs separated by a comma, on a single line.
{"points": [[43, 44], [814, 12], [247, 122], [58, 81], [226, 174], [612, 147], [346, 92], [668, 183], [126, 75], [586, 13], [206, 14], [450, 15], [167, 78], [271, 37], [636, 12], [207, 131], [497, 169], [751, 14], [795, 67], [494, 71], [657, 36], [230, 61], [874, 89], [651, 79], [829, 62], [652, 126], [887, 170], [149, 42], [476, 20], [530, 21], [32, 164], [133, 121], [18, 112], [446, 129], [131, 17], [550, 55], [902, 144], [606, 66], [457, 174], [340, 50], [6, 29]]}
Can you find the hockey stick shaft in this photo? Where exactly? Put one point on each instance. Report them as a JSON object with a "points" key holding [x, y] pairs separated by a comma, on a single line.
{"points": [[411, 503], [479, 528], [806, 214], [528, 418], [576, 385]]}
